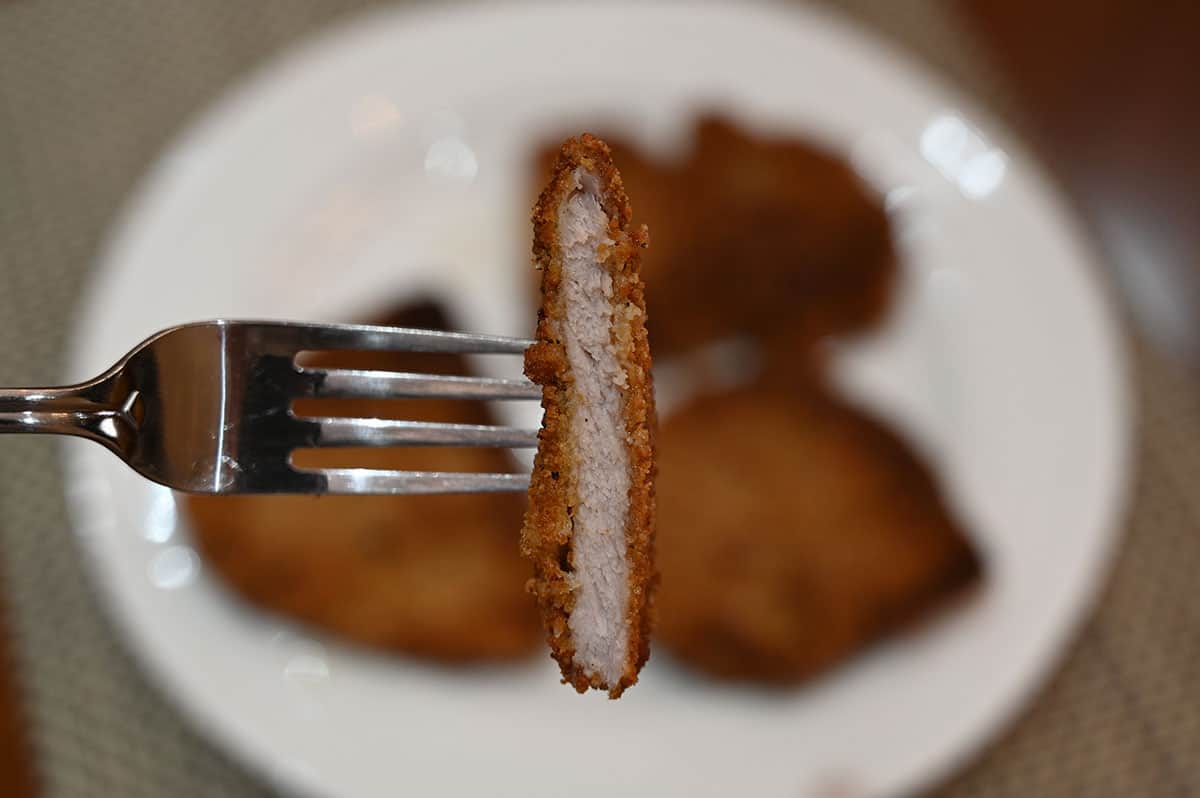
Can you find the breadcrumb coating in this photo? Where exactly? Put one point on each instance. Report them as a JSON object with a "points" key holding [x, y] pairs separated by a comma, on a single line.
{"points": [[559, 489]]}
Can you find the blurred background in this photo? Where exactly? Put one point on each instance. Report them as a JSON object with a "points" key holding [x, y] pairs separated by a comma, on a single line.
{"points": [[1102, 94]]}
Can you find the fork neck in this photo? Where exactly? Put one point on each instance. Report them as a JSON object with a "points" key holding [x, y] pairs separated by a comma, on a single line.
{"points": [[87, 410]]}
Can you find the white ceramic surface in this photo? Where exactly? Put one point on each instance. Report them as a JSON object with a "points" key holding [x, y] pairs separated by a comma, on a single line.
{"points": [[390, 156]]}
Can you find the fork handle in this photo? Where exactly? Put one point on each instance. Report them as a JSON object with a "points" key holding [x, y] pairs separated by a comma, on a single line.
{"points": [[80, 410]]}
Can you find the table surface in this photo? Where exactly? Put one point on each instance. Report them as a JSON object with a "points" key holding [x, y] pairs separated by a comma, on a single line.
{"points": [[1108, 91], [1100, 89]]}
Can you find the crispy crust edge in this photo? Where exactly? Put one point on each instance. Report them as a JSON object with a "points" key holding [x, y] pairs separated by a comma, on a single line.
{"points": [[546, 534]]}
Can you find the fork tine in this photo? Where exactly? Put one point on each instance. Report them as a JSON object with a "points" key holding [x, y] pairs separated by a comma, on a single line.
{"points": [[389, 432], [368, 480], [298, 337], [344, 383]]}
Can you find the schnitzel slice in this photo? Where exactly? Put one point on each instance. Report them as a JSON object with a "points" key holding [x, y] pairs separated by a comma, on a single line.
{"points": [[589, 529]]}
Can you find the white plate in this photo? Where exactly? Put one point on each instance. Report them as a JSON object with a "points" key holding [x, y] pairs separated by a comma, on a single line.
{"points": [[390, 156]]}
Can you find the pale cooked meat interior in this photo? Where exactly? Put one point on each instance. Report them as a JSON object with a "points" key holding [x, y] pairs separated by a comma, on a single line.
{"points": [[598, 549]]}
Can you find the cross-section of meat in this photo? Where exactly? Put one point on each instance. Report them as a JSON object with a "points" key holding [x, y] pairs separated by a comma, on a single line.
{"points": [[589, 529]]}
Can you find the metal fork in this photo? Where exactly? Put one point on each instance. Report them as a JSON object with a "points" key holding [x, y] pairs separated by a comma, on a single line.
{"points": [[206, 408]]}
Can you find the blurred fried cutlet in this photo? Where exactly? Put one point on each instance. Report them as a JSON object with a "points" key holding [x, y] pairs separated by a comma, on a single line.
{"points": [[755, 236], [795, 530], [434, 576]]}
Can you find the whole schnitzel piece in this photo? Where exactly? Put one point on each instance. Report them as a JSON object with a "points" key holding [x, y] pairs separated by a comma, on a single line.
{"points": [[755, 235], [589, 529], [796, 530]]}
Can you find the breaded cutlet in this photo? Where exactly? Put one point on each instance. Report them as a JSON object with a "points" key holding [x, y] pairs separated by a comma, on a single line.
{"points": [[794, 531], [589, 529], [434, 576], [756, 235]]}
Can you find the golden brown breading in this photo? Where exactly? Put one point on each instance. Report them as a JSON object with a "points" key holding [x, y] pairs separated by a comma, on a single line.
{"points": [[435, 576], [795, 530], [548, 534]]}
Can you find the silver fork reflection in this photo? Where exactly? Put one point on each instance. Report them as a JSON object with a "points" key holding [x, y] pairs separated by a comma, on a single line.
{"points": [[207, 408]]}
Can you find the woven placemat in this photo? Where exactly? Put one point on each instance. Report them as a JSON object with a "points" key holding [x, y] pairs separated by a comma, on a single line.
{"points": [[91, 92]]}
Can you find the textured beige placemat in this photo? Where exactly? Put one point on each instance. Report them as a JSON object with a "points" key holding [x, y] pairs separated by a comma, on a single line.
{"points": [[91, 92]]}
